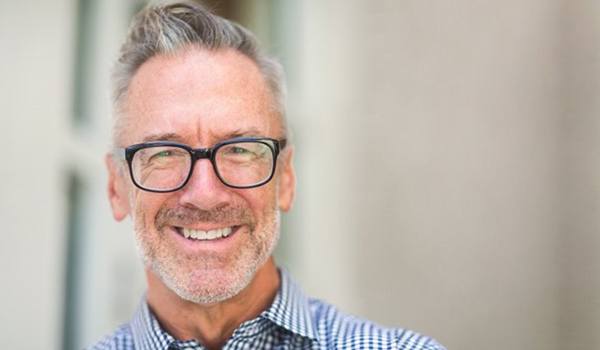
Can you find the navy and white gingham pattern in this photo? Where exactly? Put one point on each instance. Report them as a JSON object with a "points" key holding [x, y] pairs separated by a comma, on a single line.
{"points": [[293, 321]]}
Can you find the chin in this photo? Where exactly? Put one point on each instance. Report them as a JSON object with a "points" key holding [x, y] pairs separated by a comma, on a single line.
{"points": [[215, 286], [205, 286]]}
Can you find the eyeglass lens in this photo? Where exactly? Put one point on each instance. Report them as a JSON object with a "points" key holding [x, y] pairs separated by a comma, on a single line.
{"points": [[164, 168]]}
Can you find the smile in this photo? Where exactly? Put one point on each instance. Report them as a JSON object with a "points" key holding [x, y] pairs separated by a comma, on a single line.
{"points": [[201, 235]]}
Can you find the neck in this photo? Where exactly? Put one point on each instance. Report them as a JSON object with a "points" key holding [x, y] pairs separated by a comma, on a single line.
{"points": [[212, 324]]}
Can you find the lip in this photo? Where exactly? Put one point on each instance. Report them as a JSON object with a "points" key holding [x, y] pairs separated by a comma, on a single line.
{"points": [[219, 245]]}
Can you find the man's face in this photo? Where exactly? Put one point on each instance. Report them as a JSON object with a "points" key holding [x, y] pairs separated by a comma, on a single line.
{"points": [[199, 98]]}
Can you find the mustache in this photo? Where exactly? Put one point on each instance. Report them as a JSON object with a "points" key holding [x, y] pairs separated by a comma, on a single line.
{"points": [[182, 216]]}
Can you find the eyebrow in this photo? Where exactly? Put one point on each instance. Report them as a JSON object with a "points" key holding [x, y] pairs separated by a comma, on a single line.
{"points": [[240, 133], [168, 136], [171, 136]]}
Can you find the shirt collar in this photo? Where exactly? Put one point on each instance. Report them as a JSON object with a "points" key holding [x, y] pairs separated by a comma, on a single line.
{"points": [[147, 332], [290, 310]]}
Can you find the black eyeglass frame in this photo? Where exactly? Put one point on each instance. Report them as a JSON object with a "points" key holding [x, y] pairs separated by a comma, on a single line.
{"points": [[203, 153]]}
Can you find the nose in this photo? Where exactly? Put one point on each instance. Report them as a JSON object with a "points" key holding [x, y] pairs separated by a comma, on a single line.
{"points": [[204, 190]]}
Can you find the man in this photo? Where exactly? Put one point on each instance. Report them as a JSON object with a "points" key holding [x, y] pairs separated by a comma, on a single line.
{"points": [[203, 166]]}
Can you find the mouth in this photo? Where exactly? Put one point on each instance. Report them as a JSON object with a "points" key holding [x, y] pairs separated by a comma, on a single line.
{"points": [[208, 235]]}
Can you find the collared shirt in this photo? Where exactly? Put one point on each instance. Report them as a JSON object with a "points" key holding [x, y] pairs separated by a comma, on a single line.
{"points": [[293, 321]]}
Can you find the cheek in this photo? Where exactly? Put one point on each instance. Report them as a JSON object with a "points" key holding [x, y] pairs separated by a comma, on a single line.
{"points": [[145, 206], [263, 199], [136, 204]]}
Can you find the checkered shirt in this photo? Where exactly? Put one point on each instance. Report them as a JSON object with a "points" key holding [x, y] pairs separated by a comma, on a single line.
{"points": [[293, 321]]}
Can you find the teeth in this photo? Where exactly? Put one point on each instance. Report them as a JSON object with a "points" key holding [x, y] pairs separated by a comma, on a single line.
{"points": [[206, 235], [225, 231]]}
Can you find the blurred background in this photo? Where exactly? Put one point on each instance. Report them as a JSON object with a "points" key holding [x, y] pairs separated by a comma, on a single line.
{"points": [[448, 159]]}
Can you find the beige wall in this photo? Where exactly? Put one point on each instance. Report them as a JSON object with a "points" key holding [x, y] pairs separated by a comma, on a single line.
{"points": [[471, 175], [466, 136], [34, 93], [580, 232], [447, 154]]}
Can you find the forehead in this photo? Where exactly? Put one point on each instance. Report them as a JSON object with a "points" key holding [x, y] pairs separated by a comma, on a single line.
{"points": [[200, 95]]}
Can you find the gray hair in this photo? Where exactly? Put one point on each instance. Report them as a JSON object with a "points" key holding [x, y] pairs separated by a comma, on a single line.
{"points": [[170, 27]]}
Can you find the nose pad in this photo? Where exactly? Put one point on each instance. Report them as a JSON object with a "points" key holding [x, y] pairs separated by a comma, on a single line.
{"points": [[204, 189]]}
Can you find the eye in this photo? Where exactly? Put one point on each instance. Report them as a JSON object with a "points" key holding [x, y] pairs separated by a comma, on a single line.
{"points": [[238, 150], [162, 154]]}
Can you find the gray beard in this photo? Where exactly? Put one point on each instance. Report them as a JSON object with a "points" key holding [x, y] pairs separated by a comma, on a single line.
{"points": [[214, 287]]}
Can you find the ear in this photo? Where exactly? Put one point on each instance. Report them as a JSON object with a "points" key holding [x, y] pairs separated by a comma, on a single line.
{"points": [[117, 189], [287, 180]]}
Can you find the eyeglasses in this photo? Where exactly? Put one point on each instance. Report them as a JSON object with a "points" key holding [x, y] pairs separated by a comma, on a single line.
{"points": [[164, 166]]}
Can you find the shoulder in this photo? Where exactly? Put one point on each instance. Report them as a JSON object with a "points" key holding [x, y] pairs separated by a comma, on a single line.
{"points": [[120, 339], [337, 330]]}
